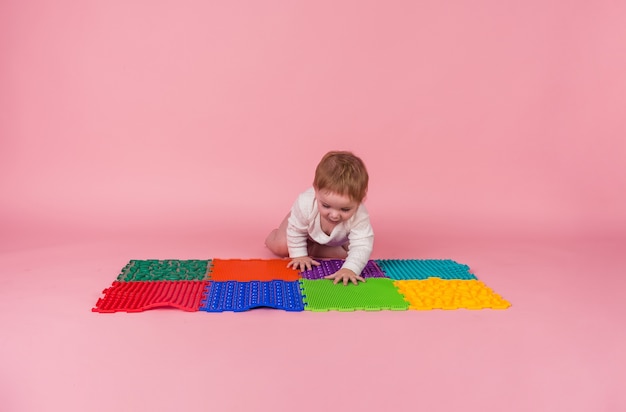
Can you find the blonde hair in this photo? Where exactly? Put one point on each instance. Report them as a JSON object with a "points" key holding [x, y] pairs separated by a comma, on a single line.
{"points": [[343, 173]]}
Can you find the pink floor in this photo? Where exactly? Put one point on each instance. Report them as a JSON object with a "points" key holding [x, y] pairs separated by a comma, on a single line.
{"points": [[558, 348]]}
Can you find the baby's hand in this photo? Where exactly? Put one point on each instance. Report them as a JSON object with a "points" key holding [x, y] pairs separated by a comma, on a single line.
{"points": [[345, 275], [302, 263]]}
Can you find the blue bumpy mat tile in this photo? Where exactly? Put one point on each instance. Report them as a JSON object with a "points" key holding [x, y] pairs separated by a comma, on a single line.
{"points": [[241, 296], [409, 269]]}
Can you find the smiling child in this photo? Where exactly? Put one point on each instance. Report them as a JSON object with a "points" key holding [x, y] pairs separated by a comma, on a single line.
{"points": [[329, 220]]}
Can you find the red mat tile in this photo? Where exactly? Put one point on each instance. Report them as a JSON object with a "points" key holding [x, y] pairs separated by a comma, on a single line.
{"points": [[140, 296]]}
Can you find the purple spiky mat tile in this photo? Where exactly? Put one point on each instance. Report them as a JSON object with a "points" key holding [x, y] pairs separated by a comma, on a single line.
{"points": [[140, 296], [241, 296], [328, 267]]}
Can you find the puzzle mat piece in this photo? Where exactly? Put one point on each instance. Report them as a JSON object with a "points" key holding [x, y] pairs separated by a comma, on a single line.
{"points": [[154, 270], [246, 270], [241, 296], [374, 294], [407, 269], [436, 293], [328, 267], [139, 296]]}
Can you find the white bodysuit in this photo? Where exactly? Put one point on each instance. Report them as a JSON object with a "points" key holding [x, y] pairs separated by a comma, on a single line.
{"points": [[304, 223]]}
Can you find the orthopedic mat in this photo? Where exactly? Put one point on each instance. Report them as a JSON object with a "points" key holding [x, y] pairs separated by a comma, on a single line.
{"points": [[218, 285]]}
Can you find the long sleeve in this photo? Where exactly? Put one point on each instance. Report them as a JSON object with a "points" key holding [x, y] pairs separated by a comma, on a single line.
{"points": [[304, 224], [298, 224], [361, 237]]}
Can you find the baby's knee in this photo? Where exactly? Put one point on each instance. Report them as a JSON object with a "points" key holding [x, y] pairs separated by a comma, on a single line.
{"points": [[278, 250], [277, 245]]}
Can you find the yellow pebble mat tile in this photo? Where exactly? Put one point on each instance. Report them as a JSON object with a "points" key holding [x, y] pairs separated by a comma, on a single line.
{"points": [[436, 293]]}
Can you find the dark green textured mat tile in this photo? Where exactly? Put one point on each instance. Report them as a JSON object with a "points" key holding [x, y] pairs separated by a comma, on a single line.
{"points": [[154, 270]]}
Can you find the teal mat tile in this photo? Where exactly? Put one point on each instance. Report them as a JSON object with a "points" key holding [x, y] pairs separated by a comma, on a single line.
{"points": [[409, 269]]}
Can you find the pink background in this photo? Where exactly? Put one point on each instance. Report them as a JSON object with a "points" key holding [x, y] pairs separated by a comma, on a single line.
{"points": [[494, 135]]}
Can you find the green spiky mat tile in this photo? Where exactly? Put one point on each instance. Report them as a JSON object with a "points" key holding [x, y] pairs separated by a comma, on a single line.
{"points": [[375, 294]]}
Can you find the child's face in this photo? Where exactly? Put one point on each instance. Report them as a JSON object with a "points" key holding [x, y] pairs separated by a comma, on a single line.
{"points": [[334, 207]]}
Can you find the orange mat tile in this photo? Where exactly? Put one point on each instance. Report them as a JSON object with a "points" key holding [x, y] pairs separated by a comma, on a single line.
{"points": [[246, 270]]}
